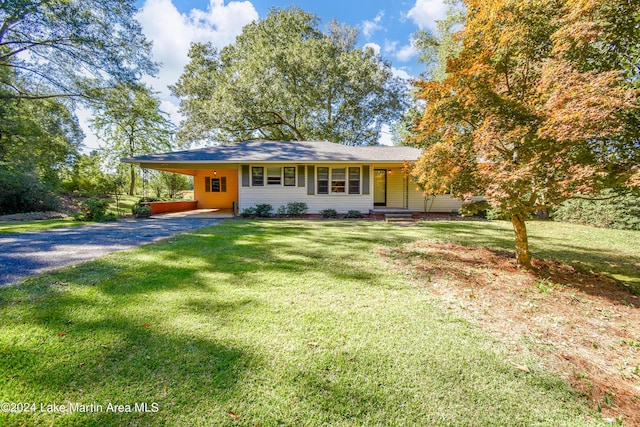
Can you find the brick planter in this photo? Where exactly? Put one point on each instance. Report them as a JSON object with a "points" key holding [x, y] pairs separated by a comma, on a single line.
{"points": [[175, 206]]}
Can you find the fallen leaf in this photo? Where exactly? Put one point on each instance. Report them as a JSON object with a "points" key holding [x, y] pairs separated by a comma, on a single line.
{"points": [[522, 368], [312, 344], [233, 415], [81, 365], [146, 325], [61, 334]]}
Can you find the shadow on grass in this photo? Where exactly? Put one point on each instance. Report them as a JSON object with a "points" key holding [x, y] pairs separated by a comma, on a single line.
{"points": [[64, 356], [157, 325]]}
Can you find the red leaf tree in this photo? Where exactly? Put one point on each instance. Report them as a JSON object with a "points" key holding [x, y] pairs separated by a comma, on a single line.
{"points": [[535, 107]]}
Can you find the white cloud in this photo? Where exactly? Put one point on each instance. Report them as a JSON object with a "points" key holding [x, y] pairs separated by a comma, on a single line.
{"points": [[385, 136], [173, 32], [373, 46], [398, 72], [402, 54], [390, 47], [172, 109], [425, 13], [406, 53], [370, 27]]}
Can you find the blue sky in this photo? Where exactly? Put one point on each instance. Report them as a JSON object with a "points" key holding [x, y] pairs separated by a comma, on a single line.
{"points": [[172, 25]]}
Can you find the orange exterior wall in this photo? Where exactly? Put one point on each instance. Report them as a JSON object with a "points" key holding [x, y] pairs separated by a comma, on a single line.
{"points": [[216, 200], [164, 207]]}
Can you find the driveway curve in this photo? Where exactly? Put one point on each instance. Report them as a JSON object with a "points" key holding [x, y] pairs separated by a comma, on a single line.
{"points": [[25, 254]]}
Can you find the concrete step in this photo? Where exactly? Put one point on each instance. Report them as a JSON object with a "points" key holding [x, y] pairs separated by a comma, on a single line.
{"points": [[398, 218]]}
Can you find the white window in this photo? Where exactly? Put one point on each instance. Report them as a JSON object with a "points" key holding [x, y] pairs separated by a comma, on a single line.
{"points": [[354, 180], [338, 180], [274, 176]]}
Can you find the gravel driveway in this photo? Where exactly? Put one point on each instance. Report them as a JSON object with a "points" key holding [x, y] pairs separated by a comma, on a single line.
{"points": [[24, 254]]}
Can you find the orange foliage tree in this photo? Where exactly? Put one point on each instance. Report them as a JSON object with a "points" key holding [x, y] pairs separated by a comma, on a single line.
{"points": [[535, 107]]}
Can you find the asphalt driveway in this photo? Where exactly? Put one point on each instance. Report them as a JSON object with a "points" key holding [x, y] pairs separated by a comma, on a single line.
{"points": [[24, 254]]}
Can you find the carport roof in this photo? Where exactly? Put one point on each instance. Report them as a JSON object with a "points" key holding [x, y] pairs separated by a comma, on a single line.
{"points": [[283, 151]]}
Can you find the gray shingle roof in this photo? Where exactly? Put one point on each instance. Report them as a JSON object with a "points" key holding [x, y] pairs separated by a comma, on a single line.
{"points": [[285, 151]]}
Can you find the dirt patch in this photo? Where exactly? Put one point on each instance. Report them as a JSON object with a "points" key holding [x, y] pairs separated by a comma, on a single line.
{"points": [[582, 325]]}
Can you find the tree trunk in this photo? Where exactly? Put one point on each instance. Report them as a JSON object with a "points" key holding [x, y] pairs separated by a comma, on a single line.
{"points": [[132, 152], [133, 181], [522, 243]]}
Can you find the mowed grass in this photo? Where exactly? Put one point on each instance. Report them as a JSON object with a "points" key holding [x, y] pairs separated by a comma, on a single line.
{"points": [[7, 227], [125, 203], [266, 323]]}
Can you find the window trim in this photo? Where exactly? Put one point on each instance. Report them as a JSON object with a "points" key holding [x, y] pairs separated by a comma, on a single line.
{"points": [[274, 177], [253, 177], [284, 176], [330, 181], [335, 183], [349, 180], [324, 181]]}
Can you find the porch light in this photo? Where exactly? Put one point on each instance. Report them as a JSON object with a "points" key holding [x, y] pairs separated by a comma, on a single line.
{"points": [[389, 171], [215, 172]]}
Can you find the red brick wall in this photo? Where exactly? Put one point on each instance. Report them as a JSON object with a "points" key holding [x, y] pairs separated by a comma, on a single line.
{"points": [[177, 206]]}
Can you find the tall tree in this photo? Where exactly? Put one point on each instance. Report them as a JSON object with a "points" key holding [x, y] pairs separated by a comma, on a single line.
{"points": [[42, 136], [66, 48], [284, 78], [131, 123], [534, 108]]}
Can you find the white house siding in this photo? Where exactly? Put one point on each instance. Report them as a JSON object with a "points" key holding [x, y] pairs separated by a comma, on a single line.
{"points": [[403, 193], [443, 203], [278, 195]]}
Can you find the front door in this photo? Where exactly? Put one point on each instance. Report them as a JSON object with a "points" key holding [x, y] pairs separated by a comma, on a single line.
{"points": [[379, 187]]}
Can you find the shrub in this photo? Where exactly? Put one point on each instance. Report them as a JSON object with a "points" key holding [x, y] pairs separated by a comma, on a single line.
{"points": [[296, 209], [263, 210], [23, 191], [353, 214], [282, 211], [328, 213], [153, 199], [94, 209], [478, 208], [248, 213], [610, 209], [140, 209], [110, 217]]}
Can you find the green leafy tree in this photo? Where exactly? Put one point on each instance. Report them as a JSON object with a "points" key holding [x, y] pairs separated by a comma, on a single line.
{"points": [[285, 79], [535, 106], [54, 48], [174, 183], [86, 175], [130, 122]]}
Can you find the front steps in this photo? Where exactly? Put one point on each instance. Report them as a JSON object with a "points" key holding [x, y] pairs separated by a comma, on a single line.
{"points": [[402, 218]]}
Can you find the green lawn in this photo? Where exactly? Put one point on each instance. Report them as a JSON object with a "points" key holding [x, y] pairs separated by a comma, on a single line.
{"points": [[7, 227], [271, 323], [125, 203]]}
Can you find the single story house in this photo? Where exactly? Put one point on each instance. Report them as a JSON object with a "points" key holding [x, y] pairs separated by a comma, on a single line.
{"points": [[319, 173]]}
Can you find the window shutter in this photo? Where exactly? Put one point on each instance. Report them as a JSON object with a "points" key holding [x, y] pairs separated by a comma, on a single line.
{"points": [[207, 184], [301, 176], [245, 175], [223, 184], [365, 179], [311, 184]]}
